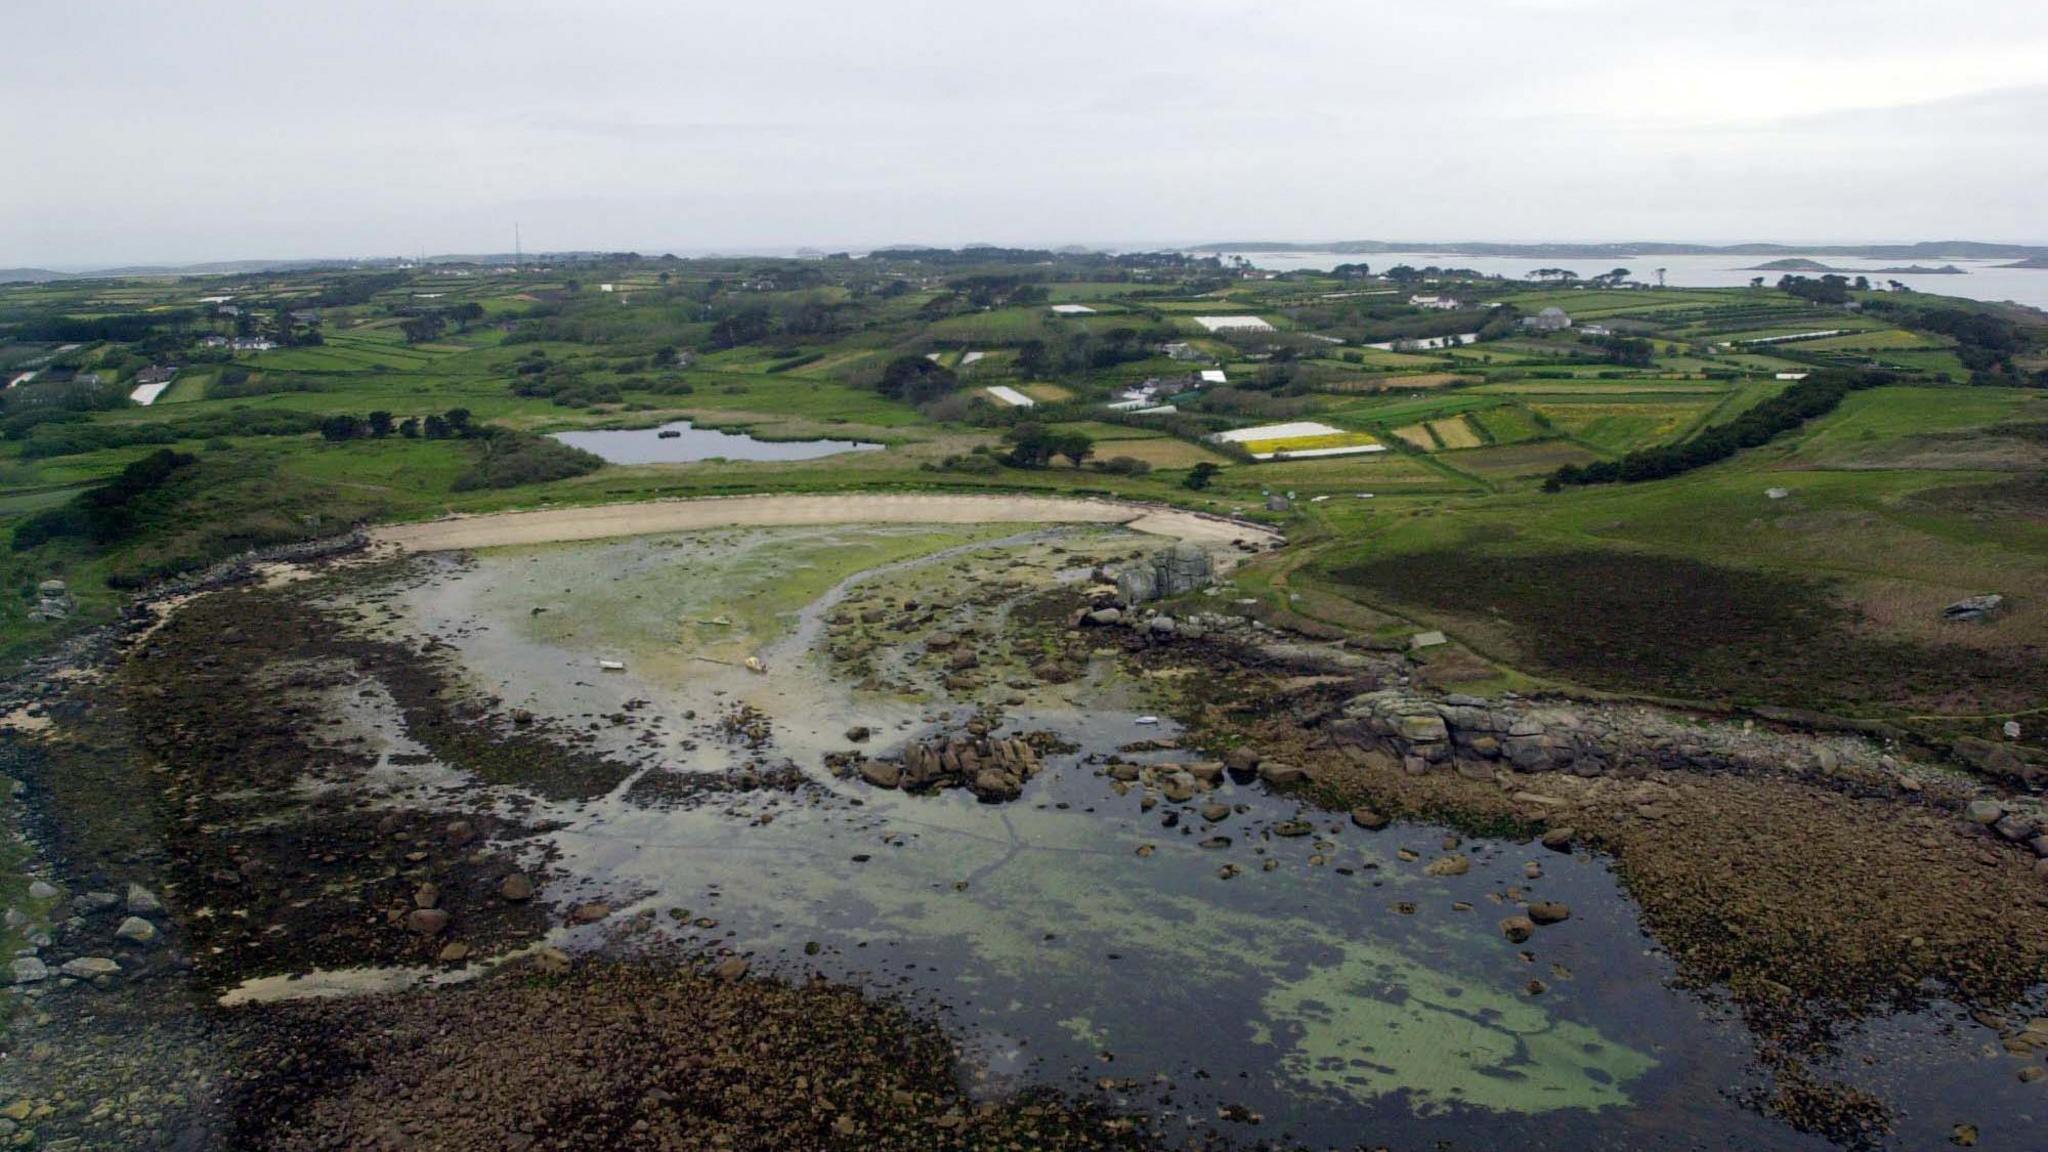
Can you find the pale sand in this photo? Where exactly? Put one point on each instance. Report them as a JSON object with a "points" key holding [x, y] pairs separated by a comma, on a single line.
{"points": [[597, 522]]}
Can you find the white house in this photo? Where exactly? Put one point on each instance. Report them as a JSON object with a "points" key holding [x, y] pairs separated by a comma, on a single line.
{"points": [[1438, 303], [1548, 320], [1214, 376]]}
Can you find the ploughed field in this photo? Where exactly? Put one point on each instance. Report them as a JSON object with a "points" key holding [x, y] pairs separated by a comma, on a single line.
{"points": [[858, 836]]}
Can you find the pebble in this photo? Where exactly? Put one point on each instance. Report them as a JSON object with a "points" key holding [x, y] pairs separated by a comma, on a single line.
{"points": [[42, 890], [1549, 912], [136, 930], [143, 902], [89, 967], [1984, 812], [1517, 928], [29, 970], [427, 921]]}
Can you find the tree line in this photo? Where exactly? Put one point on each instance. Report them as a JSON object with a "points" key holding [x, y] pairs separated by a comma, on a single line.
{"points": [[1814, 396]]}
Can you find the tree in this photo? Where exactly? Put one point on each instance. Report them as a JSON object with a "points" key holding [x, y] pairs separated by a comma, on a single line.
{"points": [[1032, 445], [341, 426], [422, 328], [437, 427], [1075, 445], [409, 428], [915, 380], [1199, 476], [458, 421], [665, 357], [380, 424], [1034, 359]]}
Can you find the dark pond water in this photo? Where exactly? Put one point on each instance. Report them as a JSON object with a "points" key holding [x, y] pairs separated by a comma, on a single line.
{"points": [[689, 443]]}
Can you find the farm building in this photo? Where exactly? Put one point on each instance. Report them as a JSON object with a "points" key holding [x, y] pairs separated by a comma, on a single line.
{"points": [[1438, 303], [1072, 310], [1548, 320], [1214, 376], [1233, 324], [1007, 395]]}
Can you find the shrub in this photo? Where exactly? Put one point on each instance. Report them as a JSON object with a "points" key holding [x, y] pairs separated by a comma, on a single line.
{"points": [[507, 459]]}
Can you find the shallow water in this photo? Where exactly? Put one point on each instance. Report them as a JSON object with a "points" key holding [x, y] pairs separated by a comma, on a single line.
{"points": [[649, 446], [1344, 995]]}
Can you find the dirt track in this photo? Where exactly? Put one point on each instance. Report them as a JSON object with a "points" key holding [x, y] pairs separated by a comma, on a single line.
{"points": [[608, 520]]}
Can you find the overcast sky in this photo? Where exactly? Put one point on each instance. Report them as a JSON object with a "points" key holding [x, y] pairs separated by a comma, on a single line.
{"points": [[221, 129]]}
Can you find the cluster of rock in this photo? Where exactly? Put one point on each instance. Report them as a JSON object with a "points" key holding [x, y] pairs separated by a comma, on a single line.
{"points": [[1169, 572], [53, 601], [90, 913], [1477, 736], [241, 569], [994, 768], [2015, 822]]}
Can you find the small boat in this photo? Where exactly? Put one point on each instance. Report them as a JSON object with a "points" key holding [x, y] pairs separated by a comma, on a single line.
{"points": [[1148, 720], [612, 665], [668, 434]]}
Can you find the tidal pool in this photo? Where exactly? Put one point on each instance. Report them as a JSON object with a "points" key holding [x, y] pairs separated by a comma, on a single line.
{"points": [[681, 442], [1330, 992]]}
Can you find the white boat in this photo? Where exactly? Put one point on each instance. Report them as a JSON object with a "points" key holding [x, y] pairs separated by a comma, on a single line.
{"points": [[612, 665]]}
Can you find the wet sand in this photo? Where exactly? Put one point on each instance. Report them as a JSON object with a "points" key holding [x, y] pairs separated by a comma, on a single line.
{"points": [[554, 525]]}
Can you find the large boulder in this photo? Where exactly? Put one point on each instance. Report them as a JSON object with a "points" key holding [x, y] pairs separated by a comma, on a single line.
{"points": [[993, 787], [1971, 608], [1169, 572], [1280, 774]]}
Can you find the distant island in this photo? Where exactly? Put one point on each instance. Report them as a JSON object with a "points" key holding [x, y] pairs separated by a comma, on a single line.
{"points": [[2029, 262], [1801, 264], [1923, 250]]}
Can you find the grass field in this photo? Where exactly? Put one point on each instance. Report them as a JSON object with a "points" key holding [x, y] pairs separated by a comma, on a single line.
{"points": [[1870, 531]]}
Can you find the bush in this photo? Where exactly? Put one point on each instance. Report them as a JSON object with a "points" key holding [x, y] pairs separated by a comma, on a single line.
{"points": [[1124, 466], [507, 459], [106, 514]]}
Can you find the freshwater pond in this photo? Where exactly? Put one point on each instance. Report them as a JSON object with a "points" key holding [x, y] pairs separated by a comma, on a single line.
{"points": [[1332, 987], [681, 442]]}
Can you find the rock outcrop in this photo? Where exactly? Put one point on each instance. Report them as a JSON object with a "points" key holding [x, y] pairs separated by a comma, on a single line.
{"points": [[1169, 572], [994, 768]]}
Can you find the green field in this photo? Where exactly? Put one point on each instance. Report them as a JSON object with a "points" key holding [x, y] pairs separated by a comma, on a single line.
{"points": [[795, 350]]}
